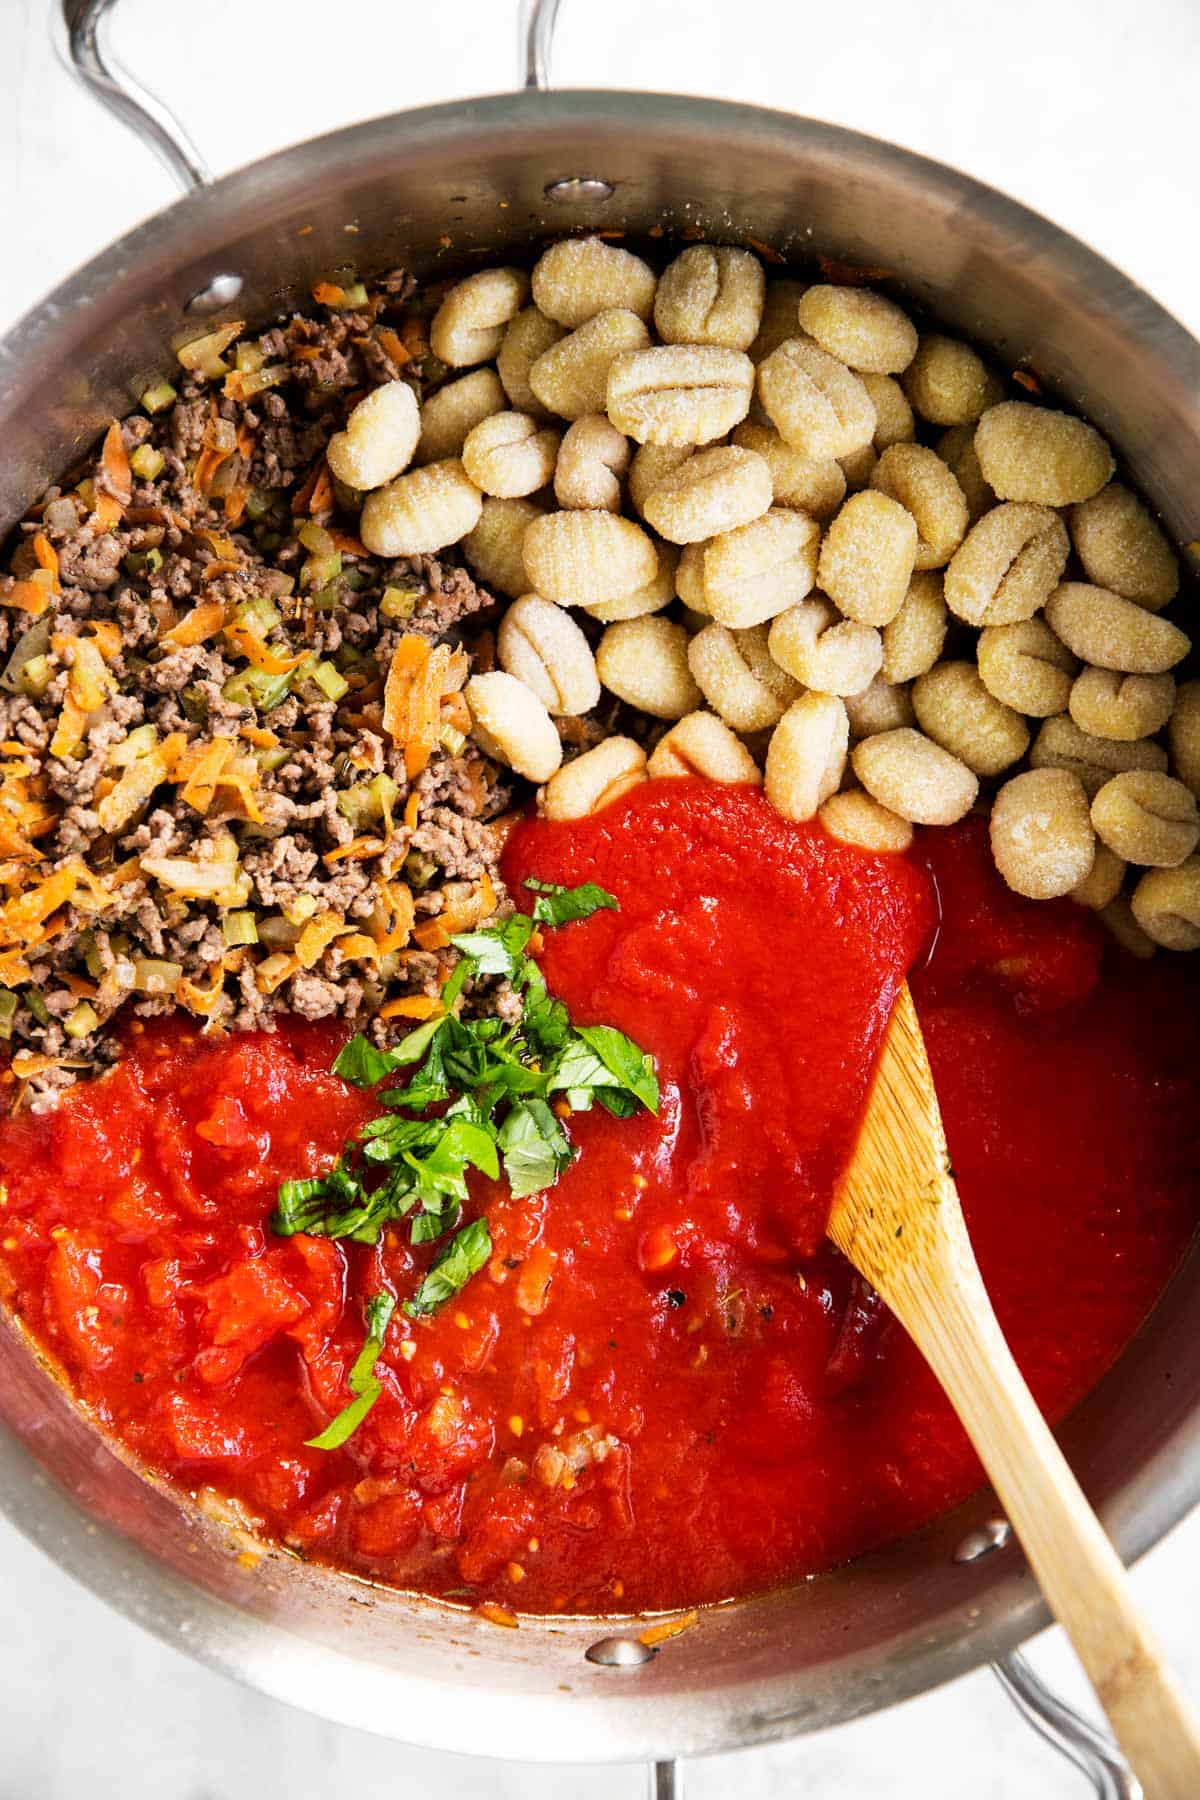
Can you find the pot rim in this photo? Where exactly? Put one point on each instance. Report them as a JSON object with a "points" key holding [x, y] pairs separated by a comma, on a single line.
{"points": [[193, 229]]}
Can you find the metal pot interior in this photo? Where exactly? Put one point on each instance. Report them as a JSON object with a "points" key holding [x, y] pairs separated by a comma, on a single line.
{"points": [[439, 190]]}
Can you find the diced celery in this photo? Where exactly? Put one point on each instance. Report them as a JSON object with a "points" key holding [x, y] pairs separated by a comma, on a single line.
{"points": [[37, 1005], [331, 683], [419, 869], [195, 705], [354, 579], [366, 802], [35, 677], [260, 616], [328, 600], [300, 909], [399, 603], [152, 976], [276, 933], [81, 1021], [258, 503], [348, 498], [8, 1011], [270, 760], [254, 687], [314, 537], [138, 742], [32, 643], [147, 463], [239, 928], [142, 562], [320, 571], [354, 294], [158, 396], [248, 358], [452, 740]]}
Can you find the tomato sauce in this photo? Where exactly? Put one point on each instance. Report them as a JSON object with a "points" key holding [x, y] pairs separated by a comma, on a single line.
{"points": [[665, 1388]]}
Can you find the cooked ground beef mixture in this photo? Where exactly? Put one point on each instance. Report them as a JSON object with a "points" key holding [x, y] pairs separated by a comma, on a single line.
{"points": [[234, 767]]}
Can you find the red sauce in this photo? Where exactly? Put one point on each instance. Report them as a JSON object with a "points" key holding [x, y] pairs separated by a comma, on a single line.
{"points": [[665, 1388]]}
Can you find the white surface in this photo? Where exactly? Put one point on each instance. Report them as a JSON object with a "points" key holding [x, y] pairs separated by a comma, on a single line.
{"points": [[1083, 108]]}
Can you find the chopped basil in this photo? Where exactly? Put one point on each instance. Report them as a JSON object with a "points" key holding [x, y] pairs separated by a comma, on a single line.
{"points": [[557, 905], [452, 1268], [600, 1062], [497, 1074], [499, 949], [361, 1380], [535, 1146], [361, 1064]]}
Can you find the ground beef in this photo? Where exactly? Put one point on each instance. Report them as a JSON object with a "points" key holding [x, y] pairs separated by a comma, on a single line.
{"points": [[194, 534]]}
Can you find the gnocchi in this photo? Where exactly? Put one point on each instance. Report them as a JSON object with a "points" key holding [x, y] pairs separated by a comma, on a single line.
{"points": [[594, 780], [868, 556], [679, 393], [710, 295], [914, 777], [702, 744], [542, 646], [1042, 836], [1044, 458], [592, 458], [815, 402], [645, 663], [512, 725], [715, 490], [806, 756], [578, 558]]}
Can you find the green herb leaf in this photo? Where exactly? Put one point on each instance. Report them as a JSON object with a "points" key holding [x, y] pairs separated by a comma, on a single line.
{"points": [[631, 1068], [361, 1380], [452, 1268], [361, 1064], [535, 1147], [557, 905], [412, 1048], [498, 949]]}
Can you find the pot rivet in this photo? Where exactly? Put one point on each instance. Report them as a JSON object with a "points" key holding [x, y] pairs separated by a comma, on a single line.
{"points": [[221, 291], [992, 1536], [573, 190], [619, 1653]]}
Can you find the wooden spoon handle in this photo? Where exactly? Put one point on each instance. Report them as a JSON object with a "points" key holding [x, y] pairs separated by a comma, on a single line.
{"points": [[947, 1312]]}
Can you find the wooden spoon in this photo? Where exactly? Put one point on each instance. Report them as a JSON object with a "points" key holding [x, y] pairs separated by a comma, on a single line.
{"points": [[897, 1218]]}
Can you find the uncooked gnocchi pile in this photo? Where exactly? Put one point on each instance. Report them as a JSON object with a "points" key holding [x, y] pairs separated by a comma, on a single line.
{"points": [[726, 474]]}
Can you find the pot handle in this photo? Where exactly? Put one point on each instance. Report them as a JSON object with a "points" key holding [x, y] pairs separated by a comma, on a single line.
{"points": [[89, 56], [1093, 1752]]}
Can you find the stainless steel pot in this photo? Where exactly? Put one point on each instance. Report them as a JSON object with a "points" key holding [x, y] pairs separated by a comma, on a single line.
{"points": [[434, 189]]}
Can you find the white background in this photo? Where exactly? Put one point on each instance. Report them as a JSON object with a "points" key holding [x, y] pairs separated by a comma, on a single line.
{"points": [[1085, 109]]}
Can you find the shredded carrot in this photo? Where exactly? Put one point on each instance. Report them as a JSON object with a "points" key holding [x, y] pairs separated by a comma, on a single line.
{"points": [[23, 918], [259, 654], [412, 336], [78, 987], [497, 1615], [207, 464], [235, 504], [260, 737], [456, 712], [359, 849], [107, 637], [348, 545], [47, 557], [68, 733], [317, 936], [27, 597], [200, 770], [1026, 379], [328, 293], [273, 971], [846, 274], [321, 499], [412, 808], [356, 945], [667, 1629], [203, 622], [114, 461], [399, 900], [201, 1000], [435, 934], [26, 1064], [391, 346], [412, 1006]]}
